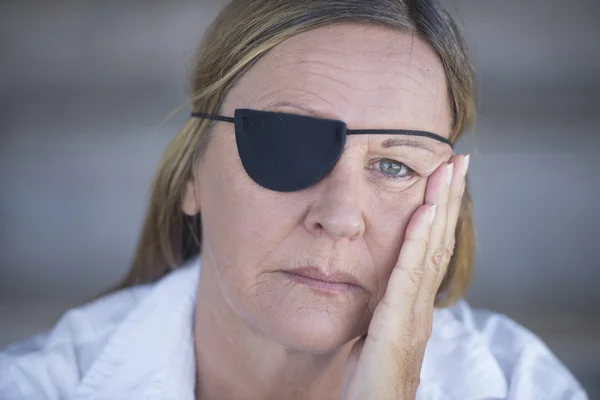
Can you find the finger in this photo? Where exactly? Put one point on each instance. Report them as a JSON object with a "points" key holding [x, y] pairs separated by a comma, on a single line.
{"points": [[438, 187], [454, 204], [407, 274], [395, 319]]}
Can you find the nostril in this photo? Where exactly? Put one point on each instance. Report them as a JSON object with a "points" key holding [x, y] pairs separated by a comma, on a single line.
{"points": [[319, 226]]}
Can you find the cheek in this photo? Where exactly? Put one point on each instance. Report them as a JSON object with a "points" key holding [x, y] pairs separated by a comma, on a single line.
{"points": [[389, 215], [242, 222]]}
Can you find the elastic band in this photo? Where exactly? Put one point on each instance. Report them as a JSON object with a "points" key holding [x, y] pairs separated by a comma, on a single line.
{"points": [[213, 117], [409, 132]]}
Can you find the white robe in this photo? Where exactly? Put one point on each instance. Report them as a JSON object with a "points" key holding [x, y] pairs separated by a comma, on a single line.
{"points": [[138, 344]]}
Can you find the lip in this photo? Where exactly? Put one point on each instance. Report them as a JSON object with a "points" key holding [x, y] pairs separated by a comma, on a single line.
{"points": [[336, 281]]}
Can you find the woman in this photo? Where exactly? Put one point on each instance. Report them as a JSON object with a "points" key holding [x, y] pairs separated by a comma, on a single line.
{"points": [[309, 234]]}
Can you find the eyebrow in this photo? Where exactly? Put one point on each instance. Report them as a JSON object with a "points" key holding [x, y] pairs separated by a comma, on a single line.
{"points": [[391, 142]]}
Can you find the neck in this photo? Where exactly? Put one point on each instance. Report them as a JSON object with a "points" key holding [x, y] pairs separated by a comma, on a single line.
{"points": [[235, 361]]}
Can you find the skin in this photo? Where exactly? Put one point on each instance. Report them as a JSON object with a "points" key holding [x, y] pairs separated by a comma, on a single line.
{"points": [[261, 335]]}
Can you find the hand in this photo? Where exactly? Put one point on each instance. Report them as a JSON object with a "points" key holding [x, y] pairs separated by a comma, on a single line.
{"points": [[386, 364]]}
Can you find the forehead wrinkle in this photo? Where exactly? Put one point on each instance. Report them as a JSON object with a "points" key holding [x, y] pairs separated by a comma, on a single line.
{"points": [[424, 72], [303, 79], [392, 44], [418, 65], [307, 74], [334, 79], [279, 101], [403, 73], [294, 50], [377, 91]]}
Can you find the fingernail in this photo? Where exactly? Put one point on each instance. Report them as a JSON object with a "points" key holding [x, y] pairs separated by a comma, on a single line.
{"points": [[450, 171], [466, 164], [432, 211]]}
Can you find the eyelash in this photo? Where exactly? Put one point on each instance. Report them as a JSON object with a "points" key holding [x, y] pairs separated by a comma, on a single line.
{"points": [[410, 172]]}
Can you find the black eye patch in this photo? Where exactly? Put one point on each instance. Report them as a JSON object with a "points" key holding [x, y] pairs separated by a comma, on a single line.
{"points": [[289, 152]]}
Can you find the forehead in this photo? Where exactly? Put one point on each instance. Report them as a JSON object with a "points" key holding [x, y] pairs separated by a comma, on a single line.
{"points": [[368, 76]]}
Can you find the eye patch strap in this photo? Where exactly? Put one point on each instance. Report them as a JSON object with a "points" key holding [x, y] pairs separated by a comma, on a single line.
{"points": [[213, 117], [409, 132]]}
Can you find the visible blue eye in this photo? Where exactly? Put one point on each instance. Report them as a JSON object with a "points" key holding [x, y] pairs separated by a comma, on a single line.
{"points": [[393, 169]]}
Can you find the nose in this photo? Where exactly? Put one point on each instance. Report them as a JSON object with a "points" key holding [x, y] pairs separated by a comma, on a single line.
{"points": [[338, 209]]}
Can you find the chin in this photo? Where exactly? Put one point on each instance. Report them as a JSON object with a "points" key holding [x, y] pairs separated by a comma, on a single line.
{"points": [[299, 318], [313, 331]]}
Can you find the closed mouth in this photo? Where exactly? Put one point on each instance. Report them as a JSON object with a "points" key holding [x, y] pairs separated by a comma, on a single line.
{"points": [[333, 282]]}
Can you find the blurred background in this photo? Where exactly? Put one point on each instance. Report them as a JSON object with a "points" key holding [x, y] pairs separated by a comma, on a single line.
{"points": [[86, 86]]}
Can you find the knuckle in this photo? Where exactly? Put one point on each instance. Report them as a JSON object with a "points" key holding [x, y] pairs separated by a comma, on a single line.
{"points": [[448, 252], [436, 259], [440, 258], [415, 275]]}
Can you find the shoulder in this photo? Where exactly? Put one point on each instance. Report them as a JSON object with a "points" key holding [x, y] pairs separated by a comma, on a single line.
{"points": [[530, 368], [50, 365]]}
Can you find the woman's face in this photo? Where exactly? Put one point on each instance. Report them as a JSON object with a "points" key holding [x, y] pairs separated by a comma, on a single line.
{"points": [[351, 222]]}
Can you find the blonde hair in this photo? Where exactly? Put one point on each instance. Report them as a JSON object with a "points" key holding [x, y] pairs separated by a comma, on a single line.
{"points": [[243, 32]]}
